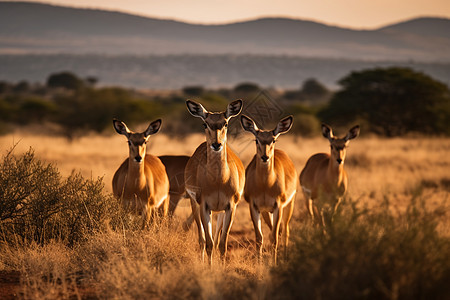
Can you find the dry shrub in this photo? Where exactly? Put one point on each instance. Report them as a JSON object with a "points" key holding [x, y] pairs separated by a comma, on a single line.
{"points": [[163, 262], [369, 254], [38, 205], [47, 272], [232, 284], [136, 279], [130, 264]]}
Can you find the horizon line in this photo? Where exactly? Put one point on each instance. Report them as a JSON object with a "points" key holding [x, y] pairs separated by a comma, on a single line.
{"points": [[224, 23]]}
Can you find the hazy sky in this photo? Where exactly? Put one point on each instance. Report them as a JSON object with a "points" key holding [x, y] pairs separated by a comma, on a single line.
{"points": [[348, 13]]}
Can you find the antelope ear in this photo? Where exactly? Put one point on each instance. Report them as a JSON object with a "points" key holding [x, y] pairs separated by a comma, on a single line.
{"points": [[233, 109], [248, 124], [121, 128], [153, 128], [327, 131], [283, 126], [352, 133], [196, 109]]}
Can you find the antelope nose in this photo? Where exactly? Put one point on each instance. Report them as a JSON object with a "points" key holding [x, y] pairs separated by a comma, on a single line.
{"points": [[216, 146], [138, 159], [339, 161], [264, 158]]}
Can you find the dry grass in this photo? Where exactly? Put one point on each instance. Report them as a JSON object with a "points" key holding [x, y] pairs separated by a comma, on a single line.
{"points": [[164, 262], [376, 166]]}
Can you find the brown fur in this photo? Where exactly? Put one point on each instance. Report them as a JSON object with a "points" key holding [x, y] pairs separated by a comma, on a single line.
{"points": [[143, 187], [175, 166], [271, 184], [214, 177], [324, 180]]}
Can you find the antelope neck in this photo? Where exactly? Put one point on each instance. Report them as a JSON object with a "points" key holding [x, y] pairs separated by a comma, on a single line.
{"points": [[217, 161], [335, 170], [136, 174], [265, 170]]}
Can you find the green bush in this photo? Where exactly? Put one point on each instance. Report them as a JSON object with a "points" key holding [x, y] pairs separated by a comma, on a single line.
{"points": [[368, 254], [38, 205]]}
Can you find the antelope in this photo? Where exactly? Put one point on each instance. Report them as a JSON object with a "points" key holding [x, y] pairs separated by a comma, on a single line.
{"points": [[141, 181], [271, 183], [324, 180], [175, 166], [214, 177]]}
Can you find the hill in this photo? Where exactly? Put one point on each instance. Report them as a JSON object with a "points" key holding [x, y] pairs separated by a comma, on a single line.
{"points": [[34, 28]]}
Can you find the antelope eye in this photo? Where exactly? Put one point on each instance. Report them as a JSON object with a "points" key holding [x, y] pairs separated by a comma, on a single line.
{"points": [[256, 142], [204, 125], [226, 125], [129, 143]]}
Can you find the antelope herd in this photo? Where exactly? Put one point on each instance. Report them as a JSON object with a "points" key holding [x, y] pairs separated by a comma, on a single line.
{"points": [[215, 179]]}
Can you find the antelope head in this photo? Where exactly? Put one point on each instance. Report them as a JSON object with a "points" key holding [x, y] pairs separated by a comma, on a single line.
{"points": [[137, 142], [215, 123], [339, 145], [265, 139]]}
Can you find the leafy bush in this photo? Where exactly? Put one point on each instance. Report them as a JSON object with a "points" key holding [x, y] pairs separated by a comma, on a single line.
{"points": [[37, 205], [370, 255]]}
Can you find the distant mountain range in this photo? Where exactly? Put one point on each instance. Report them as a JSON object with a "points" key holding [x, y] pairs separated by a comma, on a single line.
{"points": [[32, 28]]}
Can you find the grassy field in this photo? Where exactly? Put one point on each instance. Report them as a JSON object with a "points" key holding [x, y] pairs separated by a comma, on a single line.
{"points": [[412, 174], [376, 166]]}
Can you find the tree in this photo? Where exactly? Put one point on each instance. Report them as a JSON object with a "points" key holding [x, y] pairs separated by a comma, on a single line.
{"points": [[393, 101], [194, 91], [91, 80], [93, 110], [65, 80], [5, 87], [313, 89], [22, 87], [246, 87]]}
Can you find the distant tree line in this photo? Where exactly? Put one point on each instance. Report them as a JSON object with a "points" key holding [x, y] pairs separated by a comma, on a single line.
{"points": [[389, 101]]}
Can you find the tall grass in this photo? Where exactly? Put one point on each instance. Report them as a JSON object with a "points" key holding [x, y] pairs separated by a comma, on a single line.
{"points": [[369, 254], [68, 238], [366, 254]]}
